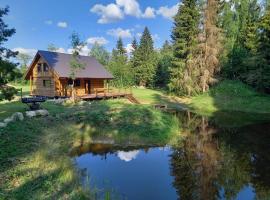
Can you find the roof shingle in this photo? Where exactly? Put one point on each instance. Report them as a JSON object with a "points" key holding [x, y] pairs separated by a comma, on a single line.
{"points": [[60, 63]]}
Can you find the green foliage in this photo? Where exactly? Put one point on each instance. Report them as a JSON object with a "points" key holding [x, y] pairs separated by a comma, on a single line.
{"points": [[8, 71], [184, 36], [75, 63], [164, 63], [246, 60], [145, 60], [8, 93], [119, 66], [100, 53], [231, 96]]}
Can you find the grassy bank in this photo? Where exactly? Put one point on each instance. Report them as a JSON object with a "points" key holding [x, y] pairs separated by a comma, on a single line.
{"points": [[34, 154], [231, 96]]}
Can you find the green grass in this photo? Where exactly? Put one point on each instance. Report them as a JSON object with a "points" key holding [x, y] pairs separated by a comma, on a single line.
{"points": [[231, 96], [147, 96], [34, 154]]}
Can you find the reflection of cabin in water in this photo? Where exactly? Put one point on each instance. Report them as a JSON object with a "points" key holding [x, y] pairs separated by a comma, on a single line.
{"points": [[49, 75]]}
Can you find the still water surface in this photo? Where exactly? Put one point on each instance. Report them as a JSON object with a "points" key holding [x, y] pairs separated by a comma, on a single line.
{"points": [[212, 161]]}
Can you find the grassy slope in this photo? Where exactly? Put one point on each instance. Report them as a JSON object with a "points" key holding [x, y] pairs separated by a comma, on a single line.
{"points": [[226, 96], [34, 161], [231, 96]]}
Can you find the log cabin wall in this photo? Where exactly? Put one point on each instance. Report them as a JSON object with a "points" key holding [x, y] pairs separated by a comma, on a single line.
{"points": [[82, 89], [43, 80], [46, 83]]}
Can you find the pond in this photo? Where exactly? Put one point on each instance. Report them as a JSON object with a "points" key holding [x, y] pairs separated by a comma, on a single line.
{"points": [[215, 159]]}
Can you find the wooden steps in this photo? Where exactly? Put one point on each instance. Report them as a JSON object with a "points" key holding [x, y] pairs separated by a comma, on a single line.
{"points": [[132, 99]]}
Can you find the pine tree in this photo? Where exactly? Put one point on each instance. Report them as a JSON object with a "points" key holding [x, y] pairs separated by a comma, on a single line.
{"points": [[164, 63], [120, 47], [145, 62], [133, 55], [134, 44], [184, 36]]}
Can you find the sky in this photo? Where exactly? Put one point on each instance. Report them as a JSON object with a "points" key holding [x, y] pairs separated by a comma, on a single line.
{"points": [[39, 23]]}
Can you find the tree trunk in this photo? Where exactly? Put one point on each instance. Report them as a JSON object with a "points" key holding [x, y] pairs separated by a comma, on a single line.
{"points": [[73, 95]]}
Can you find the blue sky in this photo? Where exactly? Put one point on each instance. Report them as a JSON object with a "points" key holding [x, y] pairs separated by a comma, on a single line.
{"points": [[41, 22]]}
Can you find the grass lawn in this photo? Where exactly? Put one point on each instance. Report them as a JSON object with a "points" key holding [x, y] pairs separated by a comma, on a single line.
{"points": [[231, 96], [226, 96], [34, 156]]}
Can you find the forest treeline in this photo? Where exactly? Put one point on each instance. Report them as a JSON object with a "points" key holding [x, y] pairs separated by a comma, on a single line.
{"points": [[210, 41]]}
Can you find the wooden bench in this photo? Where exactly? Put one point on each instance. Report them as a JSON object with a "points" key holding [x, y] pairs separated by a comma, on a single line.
{"points": [[33, 102]]}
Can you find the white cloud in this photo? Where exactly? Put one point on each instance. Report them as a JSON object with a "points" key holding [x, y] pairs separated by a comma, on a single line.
{"points": [[129, 48], [84, 51], [139, 35], [110, 13], [99, 40], [131, 7], [61, 50], [62, 24], [119, 32], [155, 37], [167, 12], [149, 13], [30, 52], [49, 22], [114, 12], [127, 156]]}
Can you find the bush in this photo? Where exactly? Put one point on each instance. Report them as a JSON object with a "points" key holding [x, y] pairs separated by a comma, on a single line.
{"points": [[7, 93]]}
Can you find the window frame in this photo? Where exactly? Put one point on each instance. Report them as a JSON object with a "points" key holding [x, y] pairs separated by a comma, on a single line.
{"points": [[77, 83], [49, 83], [39, 67], [45, 67]]}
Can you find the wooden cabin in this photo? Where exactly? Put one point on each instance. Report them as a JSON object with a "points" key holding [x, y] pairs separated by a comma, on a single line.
{"points": [[49, 75]]}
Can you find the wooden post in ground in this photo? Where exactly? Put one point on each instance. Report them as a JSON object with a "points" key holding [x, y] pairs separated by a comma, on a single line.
{"points": [[31, 84]]}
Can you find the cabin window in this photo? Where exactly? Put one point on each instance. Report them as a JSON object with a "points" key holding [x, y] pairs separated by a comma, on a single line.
{"points": [[45, 67], [39, 67], [46, 83], [77, 83], [70, 82]]}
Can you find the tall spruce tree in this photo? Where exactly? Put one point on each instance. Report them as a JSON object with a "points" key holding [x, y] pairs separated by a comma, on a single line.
{"points": [[184, 36], [164, 63], [133, 55], [145, 62]]}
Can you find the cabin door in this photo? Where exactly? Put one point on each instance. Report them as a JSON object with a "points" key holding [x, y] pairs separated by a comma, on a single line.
{"points": [[88, 86]]}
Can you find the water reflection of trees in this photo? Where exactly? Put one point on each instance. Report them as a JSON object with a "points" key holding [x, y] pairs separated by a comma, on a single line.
{"points": [[216, 163]]}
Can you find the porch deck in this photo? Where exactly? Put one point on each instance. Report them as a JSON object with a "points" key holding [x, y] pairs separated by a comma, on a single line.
{"points": [[104, 93], [104, 96]]}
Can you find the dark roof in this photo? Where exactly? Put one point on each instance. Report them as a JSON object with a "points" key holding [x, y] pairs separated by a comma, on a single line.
{"points": [[60, 62]]}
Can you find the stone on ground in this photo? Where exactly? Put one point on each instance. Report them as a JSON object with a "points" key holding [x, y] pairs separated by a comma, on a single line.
{"points": [[2, 125], [8, 120], [30, 114], [18, 116], [42, 112]]}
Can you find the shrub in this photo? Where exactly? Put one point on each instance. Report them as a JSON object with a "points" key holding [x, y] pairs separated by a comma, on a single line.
{"points": [[8, 93]]}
